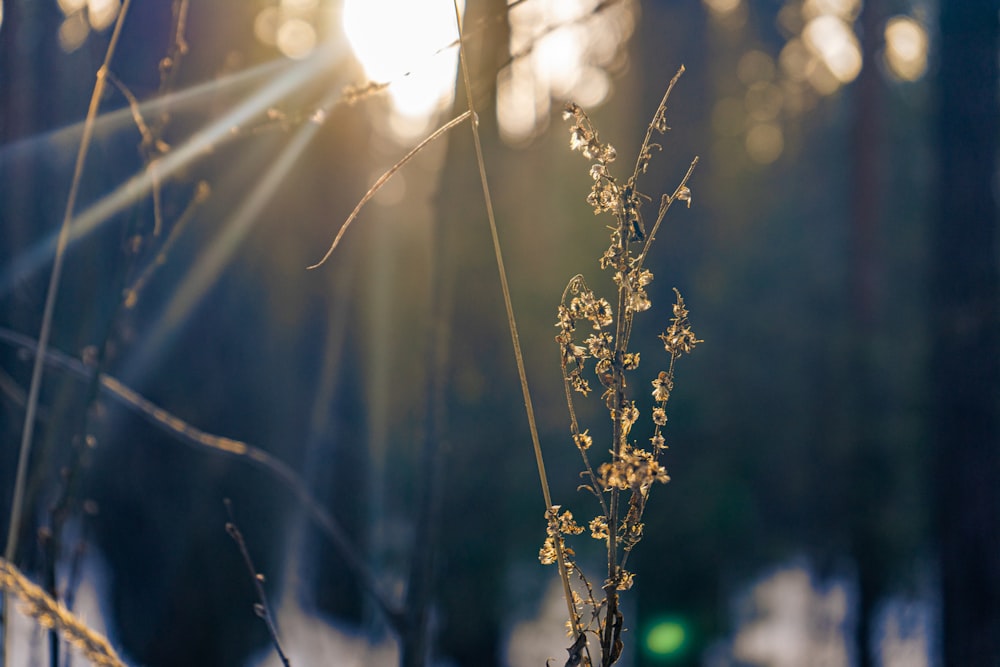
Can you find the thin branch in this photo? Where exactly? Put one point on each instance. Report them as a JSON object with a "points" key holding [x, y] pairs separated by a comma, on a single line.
{"points": [[383, 179], [131, 294], [658, 116], [27, 433], [511, 322], [190, 435], [151, 147], [261, 608], [575, 285], [665, 203]]}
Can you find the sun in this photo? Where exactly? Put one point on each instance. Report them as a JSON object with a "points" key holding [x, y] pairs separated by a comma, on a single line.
{"points": [[409, 44]]}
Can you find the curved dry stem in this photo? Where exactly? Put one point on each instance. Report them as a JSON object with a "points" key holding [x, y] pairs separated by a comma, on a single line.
{"points": [[665, 203], [27, 433], [195, 437], [383, 179], [660, 110], [574, 286]]}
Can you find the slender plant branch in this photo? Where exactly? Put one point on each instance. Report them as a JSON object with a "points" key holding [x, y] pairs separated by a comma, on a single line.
{"points": [[262, 609], [27, 433], [511, 322], [383, 179], [642, 156], [131, 294], [631, 468], [195, 437], [575, 285]]}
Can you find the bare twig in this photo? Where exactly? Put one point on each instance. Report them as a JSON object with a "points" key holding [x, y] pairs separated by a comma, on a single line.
{"points": [[131, 294], [261, 608], [384, 178], [192, 436], [27, 433]]}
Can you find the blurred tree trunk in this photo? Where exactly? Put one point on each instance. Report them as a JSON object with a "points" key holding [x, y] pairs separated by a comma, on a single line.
{"points": [[965, 334], [472, 628], [869, 465]]}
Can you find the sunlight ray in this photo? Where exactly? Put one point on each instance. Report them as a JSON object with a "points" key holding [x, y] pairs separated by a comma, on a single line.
{"points": [[203, 141], [68, 137], [214, 259]]}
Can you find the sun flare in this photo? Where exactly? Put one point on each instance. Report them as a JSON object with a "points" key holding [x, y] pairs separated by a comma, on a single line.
{"points": [[407, 43]]}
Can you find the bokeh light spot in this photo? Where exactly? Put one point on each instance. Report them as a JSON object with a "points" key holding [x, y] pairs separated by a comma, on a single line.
{"points": [[845, 9], [764, 101], [265, 26], [765, 143], [836, 45], [102, 13], [562, 50], [73, 31], [754, 66], [906, 45], [722, 8], [666, 638], [296, 38], [794, 59], [69, 6], [81, 17]]}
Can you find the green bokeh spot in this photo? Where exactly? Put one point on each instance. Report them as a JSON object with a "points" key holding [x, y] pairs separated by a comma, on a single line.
{"points": [[666, 638]]}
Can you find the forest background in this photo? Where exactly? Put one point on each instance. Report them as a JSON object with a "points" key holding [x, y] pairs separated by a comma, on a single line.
{"points": [[834, 443]]}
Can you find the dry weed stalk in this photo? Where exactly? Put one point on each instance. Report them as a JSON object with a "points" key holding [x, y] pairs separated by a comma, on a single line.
{"points": [[621, 484], [48, 311], [190, 435], [261, 608], [53, 615]]}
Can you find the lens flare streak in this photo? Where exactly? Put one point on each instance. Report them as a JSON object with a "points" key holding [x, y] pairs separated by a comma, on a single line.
{"points": [[138, 186]]}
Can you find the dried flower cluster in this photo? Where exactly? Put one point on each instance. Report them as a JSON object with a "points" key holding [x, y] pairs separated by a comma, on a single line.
{"points": [[621, 484]]}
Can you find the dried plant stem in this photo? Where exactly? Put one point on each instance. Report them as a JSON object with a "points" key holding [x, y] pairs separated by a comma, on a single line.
{"points": [[660, 110], [383, 179], [151, 146], [665, 203], [512, 324], [631, 469], [575, 284], [261, 608], [131, 294], [27, 433], [190, 435], [52, 614]]}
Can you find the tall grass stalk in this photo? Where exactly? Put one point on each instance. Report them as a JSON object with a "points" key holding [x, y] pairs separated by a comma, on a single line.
{"points": [[511, 321], [31, 408]]}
